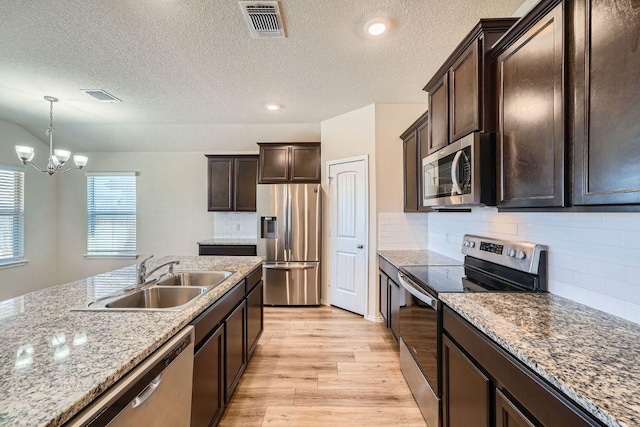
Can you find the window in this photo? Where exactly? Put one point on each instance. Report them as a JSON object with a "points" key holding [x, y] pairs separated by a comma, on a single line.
{"points": [[11, 215], [111, 212]]}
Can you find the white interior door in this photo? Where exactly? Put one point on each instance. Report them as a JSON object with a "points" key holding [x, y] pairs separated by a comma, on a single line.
{"points": [[348, 202]]}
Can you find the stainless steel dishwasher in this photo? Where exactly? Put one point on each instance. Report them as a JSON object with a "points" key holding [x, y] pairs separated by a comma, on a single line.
{"points": [[156, 393]]}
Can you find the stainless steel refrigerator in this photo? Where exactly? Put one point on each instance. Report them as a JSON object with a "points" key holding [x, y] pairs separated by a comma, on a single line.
{"points": [[289, 221]]}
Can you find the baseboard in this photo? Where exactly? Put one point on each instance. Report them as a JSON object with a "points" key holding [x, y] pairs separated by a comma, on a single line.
{"points": [[374, 319], [323, 302]]}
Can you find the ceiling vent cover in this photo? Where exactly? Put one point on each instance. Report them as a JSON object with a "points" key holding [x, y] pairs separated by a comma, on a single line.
{"points": [[101, 95], [263, 18]]}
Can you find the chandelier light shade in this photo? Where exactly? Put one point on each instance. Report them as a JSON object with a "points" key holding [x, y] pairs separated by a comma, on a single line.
{"points": [[57, 158]]}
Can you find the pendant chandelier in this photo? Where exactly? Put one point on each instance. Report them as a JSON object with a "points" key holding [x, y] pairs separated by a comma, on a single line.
{"points": [[57, 158]]}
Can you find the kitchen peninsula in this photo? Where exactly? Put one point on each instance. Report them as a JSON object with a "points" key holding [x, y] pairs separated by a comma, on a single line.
{"points": [[55, 361]]}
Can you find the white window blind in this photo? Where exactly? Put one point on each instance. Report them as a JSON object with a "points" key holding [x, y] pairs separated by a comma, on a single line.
{"points": [[111, 211], [11, 215]]}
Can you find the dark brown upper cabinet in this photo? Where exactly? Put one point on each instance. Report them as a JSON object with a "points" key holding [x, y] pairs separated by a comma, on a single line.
{"points": [[462, 92], [607, 102], [286, 162], [439, 117], [415, 147], [231, 184], [532, 159]]}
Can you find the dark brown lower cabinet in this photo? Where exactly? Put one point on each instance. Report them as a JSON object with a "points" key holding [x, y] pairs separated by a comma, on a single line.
{"points": [[208, 393], [236, 348], [484, 384], [255, 317], [508, 415], [223, 334], [466, 390], [384, 297], [394, 308]]}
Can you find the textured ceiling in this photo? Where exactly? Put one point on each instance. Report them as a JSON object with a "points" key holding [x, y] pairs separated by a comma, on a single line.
{"points": [[193, 62]]}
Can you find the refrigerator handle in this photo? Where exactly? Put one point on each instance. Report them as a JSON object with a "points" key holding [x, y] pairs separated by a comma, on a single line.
{"points": [[290, 213]]}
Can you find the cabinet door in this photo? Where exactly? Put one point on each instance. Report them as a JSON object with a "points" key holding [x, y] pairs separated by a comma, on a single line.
{"points": [[410, 152], [255, 317], [305, 163], [235, 348], [607, 107], [274, 164], [207, 401], [394, 308], [423, 151], [531, 141], [439, 115], [464, 99], [383, 288], [245, 182], [508, 415], [220, 183], [465, 394]]}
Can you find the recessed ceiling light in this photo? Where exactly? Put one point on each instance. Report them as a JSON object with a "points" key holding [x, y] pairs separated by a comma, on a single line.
{"points": [[377, 26], [273, 107]]}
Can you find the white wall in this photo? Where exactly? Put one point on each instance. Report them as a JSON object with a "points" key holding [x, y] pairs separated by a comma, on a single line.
{"points": [[594, 258], [40, 217], [373, 130]]}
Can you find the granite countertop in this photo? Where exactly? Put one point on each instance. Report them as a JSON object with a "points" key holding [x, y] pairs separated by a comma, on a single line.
{"points": [[230, 241], [592, 356], [417, 257], [53, 361]]}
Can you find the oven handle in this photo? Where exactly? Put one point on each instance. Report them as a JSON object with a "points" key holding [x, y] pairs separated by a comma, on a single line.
{"points": [[413, 289]]}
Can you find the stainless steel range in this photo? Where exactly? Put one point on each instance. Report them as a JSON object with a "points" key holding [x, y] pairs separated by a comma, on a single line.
{"points": [[490, 265]]}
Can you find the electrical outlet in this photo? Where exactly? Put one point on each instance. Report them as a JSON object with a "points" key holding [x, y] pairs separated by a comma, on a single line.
{"points": [[237, 227], [448, 237]]}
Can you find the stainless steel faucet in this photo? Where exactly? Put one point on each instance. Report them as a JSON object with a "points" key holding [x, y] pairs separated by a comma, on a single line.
{"points": [[142, 269]]}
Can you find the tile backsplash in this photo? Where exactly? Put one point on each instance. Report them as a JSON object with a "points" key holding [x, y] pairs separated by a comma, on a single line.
{"points": [[594, 258], [398, 231], [235, 224]]}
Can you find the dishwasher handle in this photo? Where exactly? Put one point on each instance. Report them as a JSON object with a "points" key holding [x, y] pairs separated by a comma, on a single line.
{"points": [[414, 290], [147, 392]]}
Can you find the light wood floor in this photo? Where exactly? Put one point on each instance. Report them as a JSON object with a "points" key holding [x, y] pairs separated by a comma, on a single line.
{"points": [[322, 367]]}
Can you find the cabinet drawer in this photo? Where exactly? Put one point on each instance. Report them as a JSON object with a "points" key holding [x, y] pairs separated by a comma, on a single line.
{"points": [[253, 279]]}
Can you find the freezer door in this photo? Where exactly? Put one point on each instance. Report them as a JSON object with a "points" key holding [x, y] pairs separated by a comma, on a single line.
{"points": [[304, 222], [291, 283], [273, 212]]}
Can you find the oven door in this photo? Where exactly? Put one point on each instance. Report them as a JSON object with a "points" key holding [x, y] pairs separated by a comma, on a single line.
{"points": [[419, 347], [447, 175]]}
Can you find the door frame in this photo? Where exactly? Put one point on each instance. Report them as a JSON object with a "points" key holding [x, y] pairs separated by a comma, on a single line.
{"points": [[365, 159]]}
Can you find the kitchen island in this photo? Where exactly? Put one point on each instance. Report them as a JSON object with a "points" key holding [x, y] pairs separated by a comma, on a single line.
{"points": [[55, 361]]}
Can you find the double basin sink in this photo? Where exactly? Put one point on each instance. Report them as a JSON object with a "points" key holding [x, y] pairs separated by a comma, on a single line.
{"points": [[169, 293]]}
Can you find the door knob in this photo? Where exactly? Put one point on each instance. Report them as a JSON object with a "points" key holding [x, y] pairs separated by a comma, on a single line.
{"points": [[360, 246]]}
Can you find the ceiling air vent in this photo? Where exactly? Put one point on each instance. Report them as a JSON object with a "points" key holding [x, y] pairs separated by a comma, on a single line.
{"points": [[263, 18], [101, 95]]}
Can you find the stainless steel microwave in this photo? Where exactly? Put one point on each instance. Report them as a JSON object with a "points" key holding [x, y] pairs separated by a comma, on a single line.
{"points": [[461, 174]]}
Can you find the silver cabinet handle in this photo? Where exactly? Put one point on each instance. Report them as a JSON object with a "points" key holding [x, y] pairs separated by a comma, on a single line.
{"points": [[147, 392], [413, 290], [454, 172]]}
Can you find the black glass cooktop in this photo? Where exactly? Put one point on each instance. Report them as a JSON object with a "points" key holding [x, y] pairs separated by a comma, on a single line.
{"points": [[455, 278]]}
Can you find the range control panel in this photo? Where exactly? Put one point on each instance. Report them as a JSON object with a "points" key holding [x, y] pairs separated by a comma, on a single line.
{"points": [[524, 256]]}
